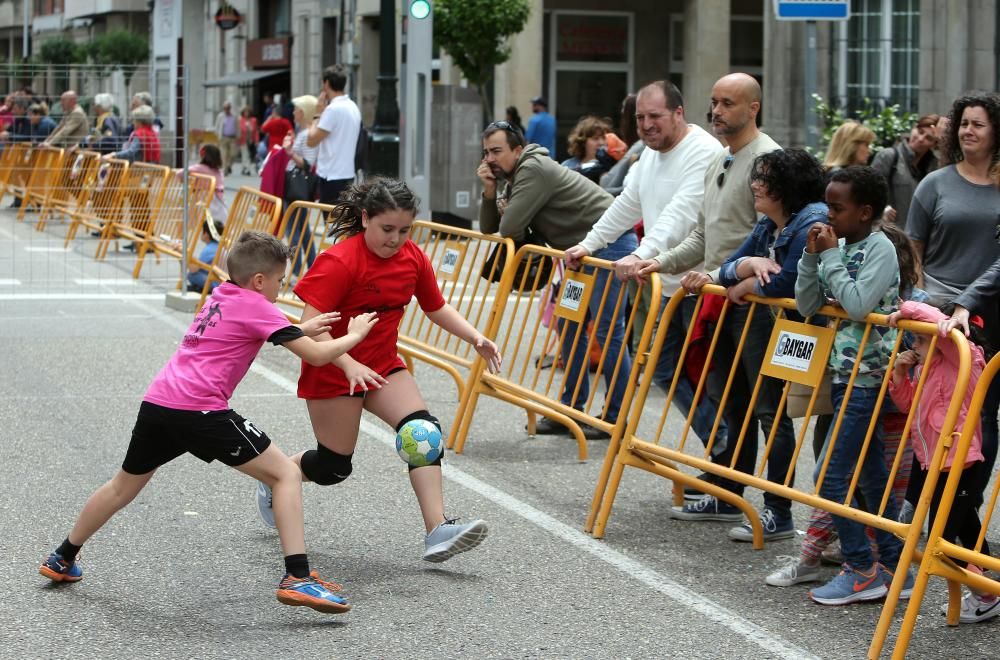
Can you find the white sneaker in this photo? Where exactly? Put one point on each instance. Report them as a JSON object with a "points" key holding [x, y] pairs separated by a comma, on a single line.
{"points": [[449, 538], [264, 498], [976, 608], [795, 572]]}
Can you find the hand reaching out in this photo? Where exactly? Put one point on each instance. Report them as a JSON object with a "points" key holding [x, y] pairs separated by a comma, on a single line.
{"points": [[361, 324], [319, 324], [490, 353]]}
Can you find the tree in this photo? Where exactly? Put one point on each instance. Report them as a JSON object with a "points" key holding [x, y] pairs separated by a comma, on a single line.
{"points": [[887, 124], [119, 49], [62, 52], [475, 33]]}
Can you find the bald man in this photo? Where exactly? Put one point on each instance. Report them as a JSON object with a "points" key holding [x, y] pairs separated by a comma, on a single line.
{"points": [[73, 127], [725, 220]]}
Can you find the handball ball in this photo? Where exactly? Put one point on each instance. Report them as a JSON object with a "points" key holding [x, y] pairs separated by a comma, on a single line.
{"points": [[419, 442]]}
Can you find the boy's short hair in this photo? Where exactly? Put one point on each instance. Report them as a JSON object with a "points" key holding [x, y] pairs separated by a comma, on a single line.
{"points": [[336, 76], [255, 252], [868, 187], [215, 229]]}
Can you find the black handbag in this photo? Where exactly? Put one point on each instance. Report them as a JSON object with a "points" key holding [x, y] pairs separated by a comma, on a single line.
{"points": [[538, 267], [300, 184]]}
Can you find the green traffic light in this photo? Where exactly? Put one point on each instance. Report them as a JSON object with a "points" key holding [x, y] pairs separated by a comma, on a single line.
{"points": [[420, 8]]}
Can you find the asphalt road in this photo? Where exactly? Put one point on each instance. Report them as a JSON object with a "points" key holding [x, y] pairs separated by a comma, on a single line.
{"points": [[187, 571]]}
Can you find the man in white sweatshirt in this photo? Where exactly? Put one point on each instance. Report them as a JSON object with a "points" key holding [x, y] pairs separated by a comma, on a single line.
{"points": [[664, 190]]}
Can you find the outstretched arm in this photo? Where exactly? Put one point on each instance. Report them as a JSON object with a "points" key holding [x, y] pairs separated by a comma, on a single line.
{"points": [[448, 318], [358, 375], [319, 353]]}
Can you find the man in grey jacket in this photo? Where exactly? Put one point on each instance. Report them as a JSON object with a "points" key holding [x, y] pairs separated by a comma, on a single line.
{"points": [[525, 190]]}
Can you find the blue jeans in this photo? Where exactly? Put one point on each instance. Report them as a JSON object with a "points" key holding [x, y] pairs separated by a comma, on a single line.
{"points": [[196, 281], [610, 333], [666, 366], [872, 482], [298, 230], [765, 408]]}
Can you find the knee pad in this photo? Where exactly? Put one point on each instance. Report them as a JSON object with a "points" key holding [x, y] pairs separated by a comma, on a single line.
{"points": [[325, 467], [424, 415]]}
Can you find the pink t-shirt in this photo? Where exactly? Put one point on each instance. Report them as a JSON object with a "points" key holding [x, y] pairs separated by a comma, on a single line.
{"points": [[217, 350]]}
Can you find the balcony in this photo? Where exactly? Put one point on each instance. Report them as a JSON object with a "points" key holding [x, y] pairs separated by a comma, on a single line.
{"points": [[91, 8]]}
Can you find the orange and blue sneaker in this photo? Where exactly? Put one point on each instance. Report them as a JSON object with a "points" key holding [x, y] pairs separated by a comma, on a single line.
{"points": [[311, 592], [58, 569], [851, 586]]}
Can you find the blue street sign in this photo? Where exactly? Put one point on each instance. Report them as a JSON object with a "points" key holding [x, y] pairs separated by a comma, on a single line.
{"points": [[812, 10]]}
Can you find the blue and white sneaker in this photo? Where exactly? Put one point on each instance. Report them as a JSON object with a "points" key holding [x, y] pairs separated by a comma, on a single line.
{"points": [[850, 586], [58, 569], [907, 584], [310, 592], [264, 504], [707, 508], [976, 608], [775, 529], [449, 539]]}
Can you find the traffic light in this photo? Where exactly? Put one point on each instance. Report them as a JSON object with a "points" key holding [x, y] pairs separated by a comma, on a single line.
{"points": [[420, 9]]}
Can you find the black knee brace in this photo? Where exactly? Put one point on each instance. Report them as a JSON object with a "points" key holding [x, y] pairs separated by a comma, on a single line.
{"points": [[325, 467], [423, 414]]}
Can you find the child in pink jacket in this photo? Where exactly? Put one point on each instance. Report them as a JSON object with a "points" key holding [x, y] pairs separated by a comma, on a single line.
{"points": [[963, 521]]}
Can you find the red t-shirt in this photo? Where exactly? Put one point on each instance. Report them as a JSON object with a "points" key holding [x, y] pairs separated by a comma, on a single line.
{"points": [[276, 128], [351, 279]]}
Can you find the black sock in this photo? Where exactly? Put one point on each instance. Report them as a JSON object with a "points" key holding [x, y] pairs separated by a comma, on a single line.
{"points": [[297, 566], [68, 550]]}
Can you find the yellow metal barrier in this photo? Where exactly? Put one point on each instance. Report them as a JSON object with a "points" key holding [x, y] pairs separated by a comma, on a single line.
{"points": [[252, 210], [45, 167], [166, 236], [13, 154], [939, 554], [145, 185], [103, 206], [667, 460], [23, 157], [524, 338], [71, 188], [459, 257], [303, 229]]}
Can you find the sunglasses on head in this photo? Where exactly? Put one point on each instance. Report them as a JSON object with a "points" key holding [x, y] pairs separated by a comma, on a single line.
{"points": [[725, 166]]}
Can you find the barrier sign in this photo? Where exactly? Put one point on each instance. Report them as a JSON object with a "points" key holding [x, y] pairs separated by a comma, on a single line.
{"points": [[451, 260], [798, 352], [574, 296]]}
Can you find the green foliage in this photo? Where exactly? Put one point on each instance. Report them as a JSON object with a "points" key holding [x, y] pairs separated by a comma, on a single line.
{"points": [[119, 49], [887, 124], [61, 51], [475, 33]]}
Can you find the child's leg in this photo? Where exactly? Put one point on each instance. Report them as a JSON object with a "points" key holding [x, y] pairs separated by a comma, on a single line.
{"points": [[398, 398], [335, 423], [845, 451], [283, 477], [106, 501], [819, 535], [872, 485]]}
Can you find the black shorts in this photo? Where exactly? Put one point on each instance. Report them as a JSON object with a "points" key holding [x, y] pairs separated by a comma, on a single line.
{"points": [[162, 434]]}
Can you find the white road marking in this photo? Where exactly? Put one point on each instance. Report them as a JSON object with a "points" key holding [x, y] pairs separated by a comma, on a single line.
{"points": [[8, 281], [70, 296], [35, 248], [102, 281]]}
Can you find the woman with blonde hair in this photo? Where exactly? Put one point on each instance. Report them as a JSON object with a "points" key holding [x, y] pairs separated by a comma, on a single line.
{"points": [[850, 145], [585, 143]]}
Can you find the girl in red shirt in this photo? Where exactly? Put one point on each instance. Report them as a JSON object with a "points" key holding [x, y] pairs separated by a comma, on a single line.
{"points": [[376, 268]]}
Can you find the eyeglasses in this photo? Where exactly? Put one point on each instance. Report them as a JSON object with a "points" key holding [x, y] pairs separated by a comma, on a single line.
{"points": [[725, 166]]}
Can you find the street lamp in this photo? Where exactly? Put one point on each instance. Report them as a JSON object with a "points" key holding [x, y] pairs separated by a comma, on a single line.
{"points": [[384, 154]]}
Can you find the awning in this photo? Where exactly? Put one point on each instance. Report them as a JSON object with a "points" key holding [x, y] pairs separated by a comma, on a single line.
{"points": [[244, 77]]}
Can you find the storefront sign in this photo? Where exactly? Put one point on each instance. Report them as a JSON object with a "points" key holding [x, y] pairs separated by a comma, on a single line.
{"points": [[265, 53], [592, 38], [227, 17]]}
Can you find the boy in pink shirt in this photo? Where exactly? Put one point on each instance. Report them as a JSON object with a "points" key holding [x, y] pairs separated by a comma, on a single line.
{"points": [[186, 409]]}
